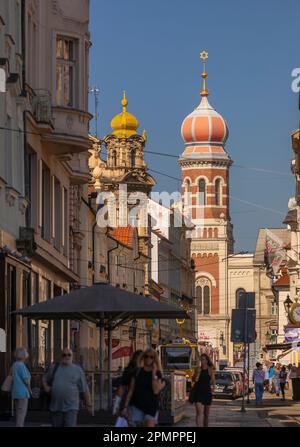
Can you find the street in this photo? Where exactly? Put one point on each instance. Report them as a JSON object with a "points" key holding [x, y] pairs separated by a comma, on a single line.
{"points": [[273, 413], [227, 413]]}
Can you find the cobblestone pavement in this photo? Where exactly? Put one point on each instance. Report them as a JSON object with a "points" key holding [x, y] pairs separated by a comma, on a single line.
{"points": [[272, 413], [226, 413]]}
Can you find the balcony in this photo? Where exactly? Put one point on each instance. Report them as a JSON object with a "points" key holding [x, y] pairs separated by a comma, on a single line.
{"points": [[63, 130], [42, 107], [71, 131]]}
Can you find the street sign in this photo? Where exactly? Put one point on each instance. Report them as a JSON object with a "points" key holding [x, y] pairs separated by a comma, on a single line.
{"points": [[243, 325]]}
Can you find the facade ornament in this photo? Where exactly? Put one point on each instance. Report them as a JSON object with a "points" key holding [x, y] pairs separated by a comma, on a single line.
{"points": [[23, 205], [11, 196]]}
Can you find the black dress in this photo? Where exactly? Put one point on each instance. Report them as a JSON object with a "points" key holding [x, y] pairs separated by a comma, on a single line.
{"points": [[143, 397], [203, 392]]}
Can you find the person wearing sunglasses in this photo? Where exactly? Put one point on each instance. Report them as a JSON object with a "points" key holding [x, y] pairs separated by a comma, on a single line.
{"points": [[142, 401], [65, 381]]}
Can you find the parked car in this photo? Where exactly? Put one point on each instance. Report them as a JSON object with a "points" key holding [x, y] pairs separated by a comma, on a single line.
{"points": [[239, 370], [226, 385]]}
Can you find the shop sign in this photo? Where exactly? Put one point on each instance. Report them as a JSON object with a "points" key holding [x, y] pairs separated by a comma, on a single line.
{"points": [[208, 336], [291, 335], [125, 351]]}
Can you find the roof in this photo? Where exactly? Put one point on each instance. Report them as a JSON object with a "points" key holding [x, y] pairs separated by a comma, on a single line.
{"points": [[101, 301], [283, 233], [283, 280], [124, 235]]}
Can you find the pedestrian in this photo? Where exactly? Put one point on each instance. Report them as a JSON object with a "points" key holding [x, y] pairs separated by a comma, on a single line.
{"points": [[142, 400], [282, 379], [124, 383], [202, 390], [276, 373], [64, 381], [271, 372], [258, 380], [266, 380], [21, 389]]}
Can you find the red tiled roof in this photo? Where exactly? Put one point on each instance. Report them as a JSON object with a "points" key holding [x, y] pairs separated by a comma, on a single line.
{"points": [[124, 235], [284, 280]]}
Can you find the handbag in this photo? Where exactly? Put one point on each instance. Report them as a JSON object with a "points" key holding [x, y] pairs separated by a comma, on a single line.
{"points": [[192, 394], [7, 384]]}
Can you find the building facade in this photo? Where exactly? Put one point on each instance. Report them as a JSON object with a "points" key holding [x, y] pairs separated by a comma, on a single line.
{"points": [[14, 265], [173, 269], [45, 172]]}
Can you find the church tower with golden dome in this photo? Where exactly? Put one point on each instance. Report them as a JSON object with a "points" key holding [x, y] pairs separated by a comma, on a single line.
{"points": [[205, 166], [124, 166]]}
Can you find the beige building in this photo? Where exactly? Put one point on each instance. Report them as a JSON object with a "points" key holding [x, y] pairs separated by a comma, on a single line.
{"points": [[172, 268], [14, 265], [120, 177], [43, 191]]}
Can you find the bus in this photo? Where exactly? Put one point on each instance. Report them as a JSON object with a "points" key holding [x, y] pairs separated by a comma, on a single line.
{"points": [[181, 355]]}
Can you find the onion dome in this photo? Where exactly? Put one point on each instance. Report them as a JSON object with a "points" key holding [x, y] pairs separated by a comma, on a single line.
{"points": [[204, 125], [124, 124], [204, 130]]}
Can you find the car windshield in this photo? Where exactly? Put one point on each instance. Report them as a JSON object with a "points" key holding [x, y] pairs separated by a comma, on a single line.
{"points": [[176, 357], [222, 377]]}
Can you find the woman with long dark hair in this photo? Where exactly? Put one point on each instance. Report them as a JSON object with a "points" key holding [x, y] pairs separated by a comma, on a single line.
{"points": [[129, 372], [142, 401], [202, 391]]}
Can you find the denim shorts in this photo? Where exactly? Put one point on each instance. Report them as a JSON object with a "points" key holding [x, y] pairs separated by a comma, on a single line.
{"points": [[138, 415]]}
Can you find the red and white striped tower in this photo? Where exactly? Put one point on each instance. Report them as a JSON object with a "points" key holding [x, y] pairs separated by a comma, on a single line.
{"points": [[205, 168]]}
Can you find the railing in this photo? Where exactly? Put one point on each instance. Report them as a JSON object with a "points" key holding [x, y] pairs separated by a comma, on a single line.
{"points": [[42, 106]]}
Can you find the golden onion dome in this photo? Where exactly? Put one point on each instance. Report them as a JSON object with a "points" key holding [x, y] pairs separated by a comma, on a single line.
{"points": [[124, 124]]}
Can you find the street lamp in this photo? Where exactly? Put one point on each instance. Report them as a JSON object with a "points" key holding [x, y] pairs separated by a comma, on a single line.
{"points": [[268, 337], [287, 304]]}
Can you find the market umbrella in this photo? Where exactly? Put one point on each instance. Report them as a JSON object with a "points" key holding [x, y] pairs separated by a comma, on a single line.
{"points": [[105, 305]]}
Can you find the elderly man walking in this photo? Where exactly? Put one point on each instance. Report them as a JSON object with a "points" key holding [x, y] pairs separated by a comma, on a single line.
{"points": [[65, 381]]}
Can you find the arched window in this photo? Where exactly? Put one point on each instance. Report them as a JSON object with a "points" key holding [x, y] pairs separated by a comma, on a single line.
{"points": [[187, 193], [218, 192], [237, 296], [199, 299], [114, 158], [202, 193], [206, 300], [132, 158]]}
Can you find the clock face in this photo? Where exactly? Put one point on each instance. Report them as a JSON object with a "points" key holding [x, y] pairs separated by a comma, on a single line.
{"points": [[295, 313]]}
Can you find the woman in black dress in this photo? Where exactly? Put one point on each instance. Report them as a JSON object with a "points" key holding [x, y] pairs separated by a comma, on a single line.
{"points": [[203, 390]]}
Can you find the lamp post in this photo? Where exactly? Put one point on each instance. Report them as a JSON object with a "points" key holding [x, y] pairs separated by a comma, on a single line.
{"points": [[132, 334], [287, 304]]}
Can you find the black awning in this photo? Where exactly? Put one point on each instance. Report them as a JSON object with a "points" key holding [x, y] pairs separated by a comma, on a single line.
{"points": [[101, 301]]}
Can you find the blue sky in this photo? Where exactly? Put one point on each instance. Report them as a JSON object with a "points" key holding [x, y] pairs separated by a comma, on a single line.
{"points": [[151, 50]]}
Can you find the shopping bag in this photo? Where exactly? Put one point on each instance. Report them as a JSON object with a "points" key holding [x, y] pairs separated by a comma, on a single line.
{"points": [[7, 384], [121, 422]]}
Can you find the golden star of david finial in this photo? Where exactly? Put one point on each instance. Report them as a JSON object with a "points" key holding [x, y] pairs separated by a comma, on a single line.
{"points": [[204, 55]]}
